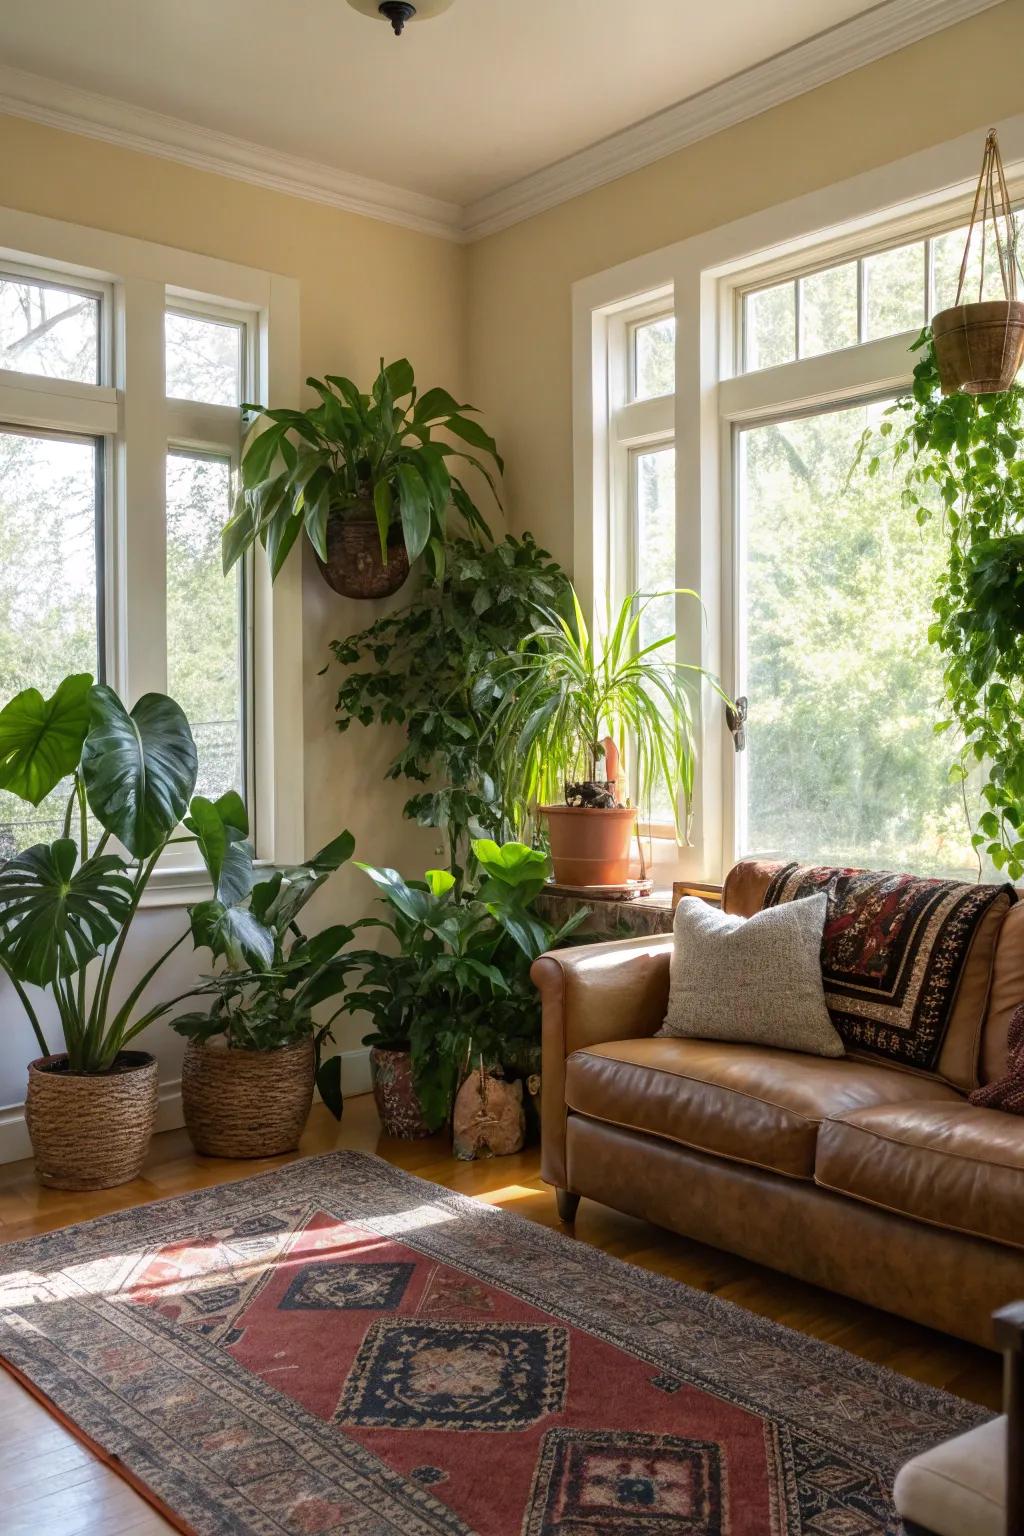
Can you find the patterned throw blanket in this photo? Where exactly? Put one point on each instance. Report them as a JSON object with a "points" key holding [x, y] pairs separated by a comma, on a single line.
{"points": [[892, 954]]}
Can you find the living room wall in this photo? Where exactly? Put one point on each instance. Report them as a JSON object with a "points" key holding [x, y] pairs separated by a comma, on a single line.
{"points": [[519, 316], [367, 288]]}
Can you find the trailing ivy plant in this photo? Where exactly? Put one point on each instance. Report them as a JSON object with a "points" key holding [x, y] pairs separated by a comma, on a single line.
{"points": [[961, 458], [437, 667]]}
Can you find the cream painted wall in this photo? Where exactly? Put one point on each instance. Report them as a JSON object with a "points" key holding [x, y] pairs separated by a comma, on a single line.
{"points": [[367, 289], [519, 315]]}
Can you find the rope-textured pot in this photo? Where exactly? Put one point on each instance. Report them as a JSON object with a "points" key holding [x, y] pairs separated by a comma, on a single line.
{"points": [[353, 566], [90, 1131], [395, 1094], [246, 1103]]}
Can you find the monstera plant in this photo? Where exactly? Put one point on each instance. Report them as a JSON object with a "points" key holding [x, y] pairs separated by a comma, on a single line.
{"points": [[67, 908]]}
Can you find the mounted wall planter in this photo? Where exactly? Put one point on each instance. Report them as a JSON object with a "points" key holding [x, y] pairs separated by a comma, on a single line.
{"points": [[353, 566], [979, 347], [91, 1130], [590, 847], [241, 1103]]}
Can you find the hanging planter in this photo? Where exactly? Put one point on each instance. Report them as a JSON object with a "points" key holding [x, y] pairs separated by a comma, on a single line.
{"points": [[354, 567], [979, 347]]}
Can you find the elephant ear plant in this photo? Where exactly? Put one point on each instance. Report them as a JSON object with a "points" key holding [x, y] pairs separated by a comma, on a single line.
{"points": [[359, 458]]}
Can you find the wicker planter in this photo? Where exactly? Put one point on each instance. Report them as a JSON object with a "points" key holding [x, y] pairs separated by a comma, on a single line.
{"points": [[979, 348], [90, 1131], [395, 1094], [246, 1103], [353, 565]]}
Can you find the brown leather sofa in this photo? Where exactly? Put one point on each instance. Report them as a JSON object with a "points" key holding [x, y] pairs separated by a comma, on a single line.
{"points": [[868, 1179]]}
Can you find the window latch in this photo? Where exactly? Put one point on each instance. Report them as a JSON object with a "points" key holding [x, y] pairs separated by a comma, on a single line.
{"points": [[736, 720]]}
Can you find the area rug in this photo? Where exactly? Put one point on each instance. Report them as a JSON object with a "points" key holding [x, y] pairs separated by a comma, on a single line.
{"points": [[339, 1349]]}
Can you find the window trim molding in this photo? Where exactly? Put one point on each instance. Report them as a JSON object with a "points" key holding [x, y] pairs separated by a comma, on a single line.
{"points": [[886, 206], [144, 279]]}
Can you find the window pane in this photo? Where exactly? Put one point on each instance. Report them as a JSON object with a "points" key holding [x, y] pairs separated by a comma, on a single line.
{"points": [[656, 566], [204, 619], [204, 359], [894, 291], [828, 310], [654, 359], [843, 766], [770, 327], [947, 254], [48, 608], [49, 330]]}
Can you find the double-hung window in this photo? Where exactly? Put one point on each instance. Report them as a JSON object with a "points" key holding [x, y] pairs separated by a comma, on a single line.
{"points": [[123, 367]]}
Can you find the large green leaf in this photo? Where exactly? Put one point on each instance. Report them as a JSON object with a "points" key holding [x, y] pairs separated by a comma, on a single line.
{"points": [[414, 500], [41, 739], [223, 844], [233, 934], [139, 768], [54, 916]]}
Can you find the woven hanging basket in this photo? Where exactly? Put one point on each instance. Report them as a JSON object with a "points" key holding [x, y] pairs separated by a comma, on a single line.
{"points": [[979, 347], [353, 566], [246, 1103], [395, 1095], [90, 1130]]}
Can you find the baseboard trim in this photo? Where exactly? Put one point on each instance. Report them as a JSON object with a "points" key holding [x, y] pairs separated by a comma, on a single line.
{"points": [[15, 1144]]}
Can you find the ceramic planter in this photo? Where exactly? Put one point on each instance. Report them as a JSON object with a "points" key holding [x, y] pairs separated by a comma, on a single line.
{"points": [[91, 1130], [395, 1093], [246, 1103], [590, 847]]}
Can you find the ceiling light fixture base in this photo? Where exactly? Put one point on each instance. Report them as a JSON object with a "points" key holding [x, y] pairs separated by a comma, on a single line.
{"points": [[398, 13]]}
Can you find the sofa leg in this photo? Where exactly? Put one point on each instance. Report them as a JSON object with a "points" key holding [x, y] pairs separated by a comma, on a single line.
{"points": [[568, 1204]]}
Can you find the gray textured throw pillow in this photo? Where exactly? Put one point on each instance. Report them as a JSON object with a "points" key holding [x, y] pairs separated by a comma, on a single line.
{"points": [[755, 979]]}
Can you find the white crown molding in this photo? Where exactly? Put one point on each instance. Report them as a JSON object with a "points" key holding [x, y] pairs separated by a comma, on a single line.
{"points": [[884, 29], [57, 105]]}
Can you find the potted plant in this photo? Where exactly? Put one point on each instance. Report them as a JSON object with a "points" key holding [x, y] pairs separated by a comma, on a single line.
{"points": [[574, 702], [253, 1057], [364, 476], [458, 993], [67, 908], [979, 347]]}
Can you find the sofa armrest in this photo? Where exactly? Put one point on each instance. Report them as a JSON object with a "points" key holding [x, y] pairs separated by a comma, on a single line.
{"points": [[589, 995]]}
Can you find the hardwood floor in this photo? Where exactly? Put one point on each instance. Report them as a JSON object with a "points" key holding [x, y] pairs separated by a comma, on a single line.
{"points": [[50, 1485]]}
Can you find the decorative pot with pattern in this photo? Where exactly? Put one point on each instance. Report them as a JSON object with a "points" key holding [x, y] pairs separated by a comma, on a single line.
{"points": [[90, 1130], [394, 1091], [246, 1103]]}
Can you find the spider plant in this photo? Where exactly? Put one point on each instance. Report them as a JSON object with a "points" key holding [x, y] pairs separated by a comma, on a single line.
{"points": [[573, 688]]}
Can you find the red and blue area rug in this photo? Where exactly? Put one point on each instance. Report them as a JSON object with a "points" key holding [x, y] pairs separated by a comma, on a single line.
{"points": [[339, 1349]]}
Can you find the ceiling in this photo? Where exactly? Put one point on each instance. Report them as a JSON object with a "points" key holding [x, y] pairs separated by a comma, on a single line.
{"points": [[460, 106]]}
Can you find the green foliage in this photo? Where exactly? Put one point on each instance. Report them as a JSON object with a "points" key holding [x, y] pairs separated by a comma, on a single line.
{"points": [[359, 456], [565, 690], [275, 975], [960, 457], [437, 668], [139, 769], [459, 988]]}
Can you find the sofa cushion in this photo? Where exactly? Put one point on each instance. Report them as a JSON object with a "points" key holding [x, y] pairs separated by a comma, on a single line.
{"points": [[953, 1165], [750, 1103]]}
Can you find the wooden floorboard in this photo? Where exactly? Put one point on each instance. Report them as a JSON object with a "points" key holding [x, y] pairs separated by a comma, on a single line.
{"points": [[50, 1485]]}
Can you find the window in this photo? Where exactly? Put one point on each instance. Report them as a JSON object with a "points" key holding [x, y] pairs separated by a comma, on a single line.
{"points": [[654, 358], [120, 387]]}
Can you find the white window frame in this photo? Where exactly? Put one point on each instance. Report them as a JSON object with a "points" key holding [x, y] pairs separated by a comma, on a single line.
{"points": [[138, 282], [707, 276]]}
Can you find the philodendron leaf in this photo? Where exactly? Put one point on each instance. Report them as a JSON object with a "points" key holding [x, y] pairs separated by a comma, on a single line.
{"points": [[222, 842], [41, 739], [54, 916], [233, 934], [328, 1082], [139, 768]]}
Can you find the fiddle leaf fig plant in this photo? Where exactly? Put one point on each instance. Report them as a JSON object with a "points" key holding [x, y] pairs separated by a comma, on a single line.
{"points": [[67, 907], [961, 458], [368, 457]]}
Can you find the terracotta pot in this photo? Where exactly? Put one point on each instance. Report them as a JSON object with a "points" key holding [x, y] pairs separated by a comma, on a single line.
{"points": [[979, 348], [590, 847], [353, 565], [246, 1103], [395, 1093], [91, 1130]]}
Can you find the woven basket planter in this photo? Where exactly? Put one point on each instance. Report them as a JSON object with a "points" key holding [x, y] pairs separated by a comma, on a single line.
{"points": [[395, 1094], [90, 1131], [246, 1103]]}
